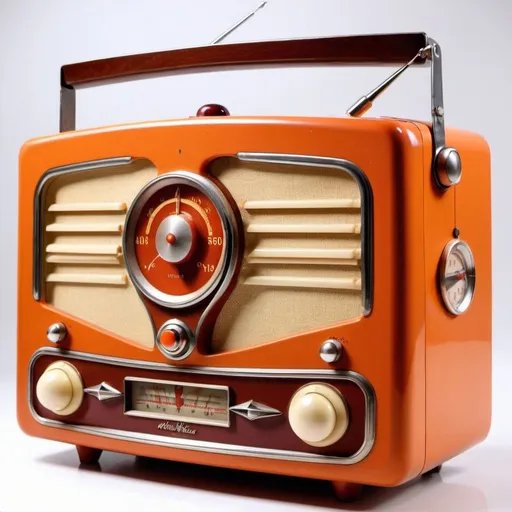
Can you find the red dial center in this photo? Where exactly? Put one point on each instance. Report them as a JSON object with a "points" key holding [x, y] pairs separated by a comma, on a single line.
{"points": [[170, 238]]}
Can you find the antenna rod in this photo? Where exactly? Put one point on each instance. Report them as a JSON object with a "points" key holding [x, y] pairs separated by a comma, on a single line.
{"points": [[365, 103], [237, 24]]}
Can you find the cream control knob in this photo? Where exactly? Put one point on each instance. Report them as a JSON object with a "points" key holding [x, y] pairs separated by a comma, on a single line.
{"points": [[60, 388], [318, 414]]}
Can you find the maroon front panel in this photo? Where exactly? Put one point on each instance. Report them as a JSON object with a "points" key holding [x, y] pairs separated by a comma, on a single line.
{"points": [[271, 433]]}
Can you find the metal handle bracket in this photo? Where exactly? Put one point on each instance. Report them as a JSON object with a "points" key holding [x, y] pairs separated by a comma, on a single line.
{"points": [[446, 163]]}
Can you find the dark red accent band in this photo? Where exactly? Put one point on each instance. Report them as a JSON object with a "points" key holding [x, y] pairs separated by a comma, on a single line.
{"points": [[362, 49], [269, 433]]}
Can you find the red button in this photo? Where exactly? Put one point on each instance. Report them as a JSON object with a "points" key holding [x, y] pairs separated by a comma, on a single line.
{"points": [[168, 338], [212, 109]]}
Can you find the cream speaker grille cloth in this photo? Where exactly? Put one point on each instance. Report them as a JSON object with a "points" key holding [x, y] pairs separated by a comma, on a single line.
{"points": [[302, 262], [84, 269]]}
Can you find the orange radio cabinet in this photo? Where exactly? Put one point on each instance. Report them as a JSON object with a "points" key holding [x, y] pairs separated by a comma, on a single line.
{"points": [[294, 295]]}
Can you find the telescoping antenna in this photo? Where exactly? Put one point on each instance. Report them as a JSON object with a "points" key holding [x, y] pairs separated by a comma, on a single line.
{"points": [[365, 103], [238, 23]]}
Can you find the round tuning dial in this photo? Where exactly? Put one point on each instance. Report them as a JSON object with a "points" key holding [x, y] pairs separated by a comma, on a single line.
{"points": [[179, 239], [318, 414], [60, 388]]}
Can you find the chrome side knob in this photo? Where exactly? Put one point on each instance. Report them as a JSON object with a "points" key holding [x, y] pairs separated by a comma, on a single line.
{"points": [[56, 332], [448, 167]]}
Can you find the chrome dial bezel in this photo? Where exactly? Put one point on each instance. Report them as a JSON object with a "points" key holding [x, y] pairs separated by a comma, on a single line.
{"points": [[461, 248], [228, 231]]}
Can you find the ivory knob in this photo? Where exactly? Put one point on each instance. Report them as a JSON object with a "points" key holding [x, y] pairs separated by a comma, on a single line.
{"points": [[318, 414], [60, 388]]}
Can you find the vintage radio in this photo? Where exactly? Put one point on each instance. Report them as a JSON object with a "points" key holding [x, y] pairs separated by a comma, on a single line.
{"points": [[290, 295]]}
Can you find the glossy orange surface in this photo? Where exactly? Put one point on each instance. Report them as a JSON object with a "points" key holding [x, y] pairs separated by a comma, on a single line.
{"points": [[430, 371]]}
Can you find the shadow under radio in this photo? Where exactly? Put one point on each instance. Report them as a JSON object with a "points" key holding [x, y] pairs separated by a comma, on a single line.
{"points": [[432, 491]]}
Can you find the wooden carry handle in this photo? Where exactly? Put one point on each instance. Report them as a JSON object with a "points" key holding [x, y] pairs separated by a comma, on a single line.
{"points": [[362, 49]]}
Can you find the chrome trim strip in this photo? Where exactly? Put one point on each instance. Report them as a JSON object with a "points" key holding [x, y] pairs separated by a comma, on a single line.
{"points": [[37, 270], [365, 191], [228, 216], [225, 449]]}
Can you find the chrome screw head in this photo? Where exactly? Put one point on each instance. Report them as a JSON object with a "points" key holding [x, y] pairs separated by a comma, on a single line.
{"points": [[56, 332], [330, 351]]}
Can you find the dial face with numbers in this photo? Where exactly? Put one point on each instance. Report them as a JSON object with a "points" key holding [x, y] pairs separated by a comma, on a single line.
{"points": [[176, 239], [457, 276], [177, 401]]}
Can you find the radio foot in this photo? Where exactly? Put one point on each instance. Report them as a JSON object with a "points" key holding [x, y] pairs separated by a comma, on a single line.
{"points": [[88, 455], [347, 491], [433, 471]]}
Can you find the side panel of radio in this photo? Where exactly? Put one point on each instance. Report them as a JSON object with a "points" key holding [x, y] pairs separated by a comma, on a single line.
{"points": [[458, 349]]}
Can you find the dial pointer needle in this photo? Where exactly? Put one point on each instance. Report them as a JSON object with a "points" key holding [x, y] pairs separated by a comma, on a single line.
{"points": [[452, 279], [150, 266], [178, 201]]}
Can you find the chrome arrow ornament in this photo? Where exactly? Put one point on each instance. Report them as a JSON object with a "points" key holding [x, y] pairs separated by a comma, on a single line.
{"points": [[103, 392], [252, 410]]}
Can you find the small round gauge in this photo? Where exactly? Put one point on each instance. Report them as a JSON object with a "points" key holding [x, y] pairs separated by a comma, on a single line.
{"points": [[177, 239], [457, 276]]}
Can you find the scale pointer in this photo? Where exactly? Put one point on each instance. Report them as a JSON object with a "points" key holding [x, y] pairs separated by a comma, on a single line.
{"points": [[452, 279], [178, 201]]}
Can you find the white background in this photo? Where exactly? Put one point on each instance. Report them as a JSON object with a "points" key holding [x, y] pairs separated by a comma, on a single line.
{"points": [[37, 37]]}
